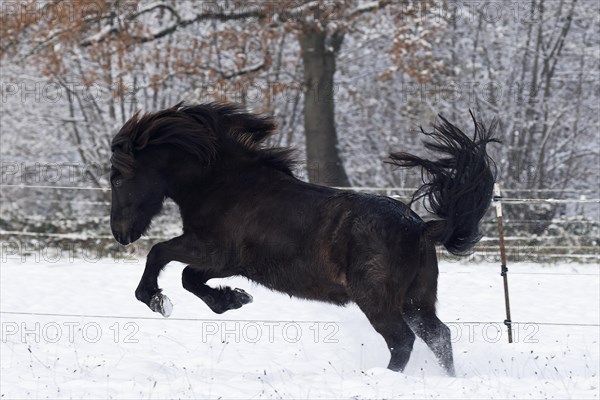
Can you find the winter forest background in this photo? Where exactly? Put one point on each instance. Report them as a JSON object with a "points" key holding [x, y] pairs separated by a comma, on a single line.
{"points": [[348, 81]]}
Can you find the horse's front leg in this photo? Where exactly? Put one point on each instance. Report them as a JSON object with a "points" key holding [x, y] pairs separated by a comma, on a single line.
{"points": [[218, 299], [181, 249]]}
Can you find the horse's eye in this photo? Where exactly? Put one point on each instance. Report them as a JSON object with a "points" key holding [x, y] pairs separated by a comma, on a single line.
{"points": [[117, 182]]}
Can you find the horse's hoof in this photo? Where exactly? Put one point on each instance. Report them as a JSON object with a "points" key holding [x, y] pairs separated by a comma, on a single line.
{"points": [[242, 296], [161, 304], [229, 299]]}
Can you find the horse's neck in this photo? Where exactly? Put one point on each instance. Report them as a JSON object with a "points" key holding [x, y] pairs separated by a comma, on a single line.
{"points": [[190, 188]]}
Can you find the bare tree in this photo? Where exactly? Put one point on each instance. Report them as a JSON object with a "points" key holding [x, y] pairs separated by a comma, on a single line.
{"points": [[120, 36]]}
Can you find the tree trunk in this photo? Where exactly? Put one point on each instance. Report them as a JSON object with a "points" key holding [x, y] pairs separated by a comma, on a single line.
{"points": [[318, 55]]}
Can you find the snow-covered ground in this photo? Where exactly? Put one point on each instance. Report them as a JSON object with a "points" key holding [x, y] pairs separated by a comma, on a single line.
{"points": [[73, 329]]}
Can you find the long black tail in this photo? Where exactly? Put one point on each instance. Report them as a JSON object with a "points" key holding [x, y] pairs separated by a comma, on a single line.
{"points": [[458, 186]]}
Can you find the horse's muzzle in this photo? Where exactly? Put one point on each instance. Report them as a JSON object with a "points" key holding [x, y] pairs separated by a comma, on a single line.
{"points": [[122, 238], [126, 236]]}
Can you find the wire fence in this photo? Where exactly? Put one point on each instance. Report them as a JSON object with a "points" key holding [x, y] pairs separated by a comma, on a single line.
{"points": [[141, 318], [355, 188], [522, 241], [384, 190]]}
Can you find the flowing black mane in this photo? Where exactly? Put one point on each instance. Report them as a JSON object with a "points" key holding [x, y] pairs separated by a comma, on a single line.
{"points": [[202, 130]]}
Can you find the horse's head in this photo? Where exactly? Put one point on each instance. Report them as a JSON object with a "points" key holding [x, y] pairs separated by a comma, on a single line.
{"points": [[138, 186], [149, 154], [136, 199], [169, 152]]}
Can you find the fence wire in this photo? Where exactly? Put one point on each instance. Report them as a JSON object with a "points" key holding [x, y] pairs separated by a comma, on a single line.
{"points": [[80, 236], [99, 316]]}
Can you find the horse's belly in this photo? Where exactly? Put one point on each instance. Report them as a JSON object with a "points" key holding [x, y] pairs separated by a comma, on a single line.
{"points": [[302, 283]]}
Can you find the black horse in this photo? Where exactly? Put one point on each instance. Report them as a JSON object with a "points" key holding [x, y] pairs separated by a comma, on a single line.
{"points": [[244, 213]]}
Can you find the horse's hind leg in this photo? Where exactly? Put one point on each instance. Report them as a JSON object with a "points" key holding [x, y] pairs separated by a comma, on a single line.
{"points": [[379, 305], [419, 312], [397, 335], [433, 332], [219, 300]]}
